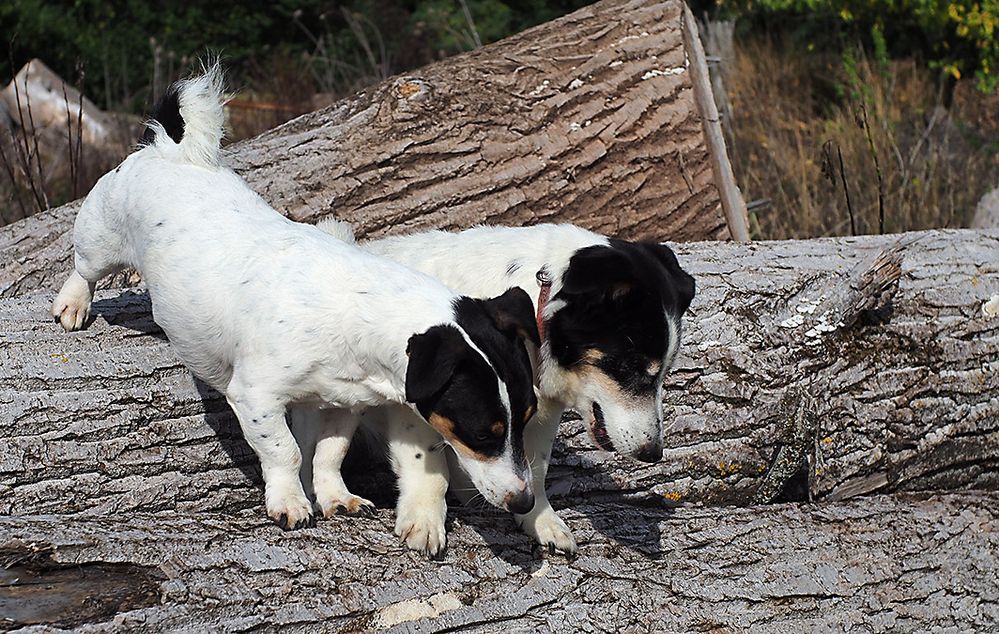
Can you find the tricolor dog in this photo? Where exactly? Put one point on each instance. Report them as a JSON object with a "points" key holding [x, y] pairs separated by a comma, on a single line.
{"points": [[609, 314], [273, 313]]}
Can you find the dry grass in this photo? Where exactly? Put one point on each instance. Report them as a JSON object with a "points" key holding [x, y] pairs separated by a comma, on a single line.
{"points": [[793, 116], [274, 91]]}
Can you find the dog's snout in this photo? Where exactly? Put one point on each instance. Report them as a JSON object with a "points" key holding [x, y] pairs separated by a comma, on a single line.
{"points": [[521, 502], [651, 452]]}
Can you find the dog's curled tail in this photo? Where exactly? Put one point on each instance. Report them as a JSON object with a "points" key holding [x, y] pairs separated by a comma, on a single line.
{"points": [[338, 229], [190, 115]]}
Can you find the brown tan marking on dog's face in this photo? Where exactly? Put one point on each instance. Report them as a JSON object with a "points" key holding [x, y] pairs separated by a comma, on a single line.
{"points": [[445, 427], [615, 333], [472, 380], [601, 388]]}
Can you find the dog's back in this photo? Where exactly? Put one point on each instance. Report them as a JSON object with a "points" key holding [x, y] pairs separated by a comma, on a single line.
{"points": [[493, 257], [209, 248]]}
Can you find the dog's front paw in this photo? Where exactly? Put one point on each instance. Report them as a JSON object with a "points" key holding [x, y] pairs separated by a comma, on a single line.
{"points": [[420, 525], [71, 307], [550, 531], [344, 503], [290, 511]]}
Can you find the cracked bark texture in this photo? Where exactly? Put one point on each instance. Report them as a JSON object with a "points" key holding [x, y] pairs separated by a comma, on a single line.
{"points": [[811, 369], [876, 564], [590, 119]]}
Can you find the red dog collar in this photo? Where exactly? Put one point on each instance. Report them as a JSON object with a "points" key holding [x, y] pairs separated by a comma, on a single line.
{"points": [[545, 282]]}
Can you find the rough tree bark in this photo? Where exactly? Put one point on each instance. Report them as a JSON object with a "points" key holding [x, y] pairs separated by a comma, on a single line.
{"points": [[812, 370], [591, 118], [876, 564], [787, 387]]}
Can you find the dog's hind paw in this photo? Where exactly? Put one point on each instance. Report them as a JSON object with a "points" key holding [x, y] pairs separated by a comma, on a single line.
{"points": [[421, 527], [345, 504], [292, 513], [550, 531]]}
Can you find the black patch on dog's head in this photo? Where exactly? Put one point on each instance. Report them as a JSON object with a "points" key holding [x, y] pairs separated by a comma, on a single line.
{"points": [[167, 113], [617, 300], [455, 389]]}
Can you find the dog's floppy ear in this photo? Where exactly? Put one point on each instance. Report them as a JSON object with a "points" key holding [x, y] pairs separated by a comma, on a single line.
{"points": [[682, 282], [433, 357], [601, 270], [685, 288], [513, 314]]}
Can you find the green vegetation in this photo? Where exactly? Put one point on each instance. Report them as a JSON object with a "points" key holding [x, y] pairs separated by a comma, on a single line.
{"points": [[957, 37], [130, 50]]}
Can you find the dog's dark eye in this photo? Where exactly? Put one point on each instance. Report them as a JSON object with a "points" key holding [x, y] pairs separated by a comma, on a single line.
{"points": [[496, 430]]}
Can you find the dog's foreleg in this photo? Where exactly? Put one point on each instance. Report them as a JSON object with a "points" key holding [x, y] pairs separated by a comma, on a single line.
{"points": [[71, 307], [262, 419], [98, 252], [542, 523], [335, 430], [421, 465]]}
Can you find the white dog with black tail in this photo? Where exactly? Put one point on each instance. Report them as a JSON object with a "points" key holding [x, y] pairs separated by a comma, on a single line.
{"points": [[609, 315], [273, 313]]}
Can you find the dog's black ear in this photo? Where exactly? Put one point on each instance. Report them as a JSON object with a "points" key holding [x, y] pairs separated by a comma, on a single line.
{"points": [[682, 282], [686, 288], [433, 357], [603, 270], [513, 313]]}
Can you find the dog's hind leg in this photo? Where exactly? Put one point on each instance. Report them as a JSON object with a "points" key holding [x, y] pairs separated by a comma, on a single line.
{"points": [[336, 428], [542, 523], [262, 419], [305, 422], [419, 461]]}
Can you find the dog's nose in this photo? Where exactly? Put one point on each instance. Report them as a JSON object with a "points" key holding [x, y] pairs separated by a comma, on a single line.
{"points": [[652, 452], [520, 503]]}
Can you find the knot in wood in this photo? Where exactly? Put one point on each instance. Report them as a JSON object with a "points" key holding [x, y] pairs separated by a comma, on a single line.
{"points": [[413, 89]]}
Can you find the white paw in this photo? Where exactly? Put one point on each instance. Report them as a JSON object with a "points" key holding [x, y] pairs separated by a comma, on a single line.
{"points": [[420, 524], [289, 510], [344, 503], [71, 308], [549, 530]]}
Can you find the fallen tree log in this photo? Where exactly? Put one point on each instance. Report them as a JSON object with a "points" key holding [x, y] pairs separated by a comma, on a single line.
{"points": [[811, 369], [63, 127], [591, 119], [886, 563]]}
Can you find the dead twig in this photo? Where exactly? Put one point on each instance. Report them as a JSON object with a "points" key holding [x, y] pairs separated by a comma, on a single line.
{"points": [[24, 158], [471, 23], [9, 169], [81, 76], [34, 141], [877, 169], [69, 137], [828, 169]]}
